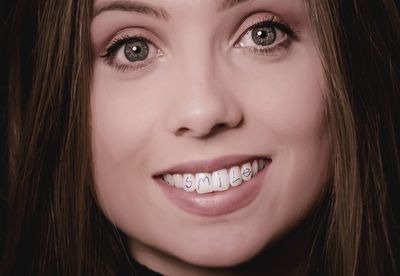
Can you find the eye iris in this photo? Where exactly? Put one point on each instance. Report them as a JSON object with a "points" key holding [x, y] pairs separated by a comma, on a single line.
{"points": [[263, 36], [136, 50]]}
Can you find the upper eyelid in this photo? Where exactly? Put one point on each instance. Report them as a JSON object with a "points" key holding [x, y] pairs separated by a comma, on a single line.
{"points": [[110, 56], [123, 40], [242, 27], [133, 32], [252, 20], [287, 30], [238, 30]]}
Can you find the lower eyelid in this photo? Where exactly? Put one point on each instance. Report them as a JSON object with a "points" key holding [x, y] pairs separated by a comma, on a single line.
{"points": [[278, 30], [278, 50], [123, 64], [152, 49], [141, 65], [118, 60], [138, 65]]}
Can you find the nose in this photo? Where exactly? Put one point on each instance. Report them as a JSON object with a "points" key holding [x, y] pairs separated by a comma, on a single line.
{"points": [[204, 105]]}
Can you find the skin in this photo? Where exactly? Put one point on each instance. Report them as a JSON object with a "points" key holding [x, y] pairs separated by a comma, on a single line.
{"points": [[199, 99]]}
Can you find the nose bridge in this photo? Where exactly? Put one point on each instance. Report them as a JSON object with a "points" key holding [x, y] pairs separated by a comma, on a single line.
{"points": [[197, 57], [200, 78], [204, 101]]}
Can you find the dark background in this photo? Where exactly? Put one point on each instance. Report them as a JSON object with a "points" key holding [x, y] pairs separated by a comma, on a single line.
{"points": [[5, 7]]}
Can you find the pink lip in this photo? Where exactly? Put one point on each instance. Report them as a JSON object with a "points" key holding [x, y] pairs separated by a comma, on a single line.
{"points": [[215, 203], [208, 166]]}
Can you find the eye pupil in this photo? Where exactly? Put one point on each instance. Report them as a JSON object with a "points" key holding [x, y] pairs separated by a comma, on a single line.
{"points": [[264, 36], [136, 50]]}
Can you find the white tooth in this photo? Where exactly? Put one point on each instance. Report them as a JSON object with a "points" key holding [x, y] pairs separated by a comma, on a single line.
{"points": [[261, 164], [254, 167], [220, 180], [188, 182], [178, 180], [168, 178], [245, 172], [203, 183], [234, 176]]}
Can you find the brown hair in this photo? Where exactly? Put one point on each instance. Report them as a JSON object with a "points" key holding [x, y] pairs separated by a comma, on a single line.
{"points": [[54, 227], [358, 42], [54, 224]]}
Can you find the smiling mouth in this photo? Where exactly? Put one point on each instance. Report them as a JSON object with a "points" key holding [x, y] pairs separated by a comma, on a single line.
{"points": [[202, 179]]}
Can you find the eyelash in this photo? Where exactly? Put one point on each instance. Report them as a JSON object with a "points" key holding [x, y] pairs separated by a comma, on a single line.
{"points": [[290, 32], [116, 44]]}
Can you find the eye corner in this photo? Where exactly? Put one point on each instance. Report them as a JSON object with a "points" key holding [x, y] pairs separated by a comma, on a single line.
{"points": [[264, 19], [144, 52], [275, 37]]}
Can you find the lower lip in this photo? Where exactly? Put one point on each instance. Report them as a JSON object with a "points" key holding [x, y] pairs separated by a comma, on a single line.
{"points": [[215, 203]]}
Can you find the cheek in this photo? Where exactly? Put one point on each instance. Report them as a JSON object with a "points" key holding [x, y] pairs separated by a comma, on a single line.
{"points": [[285, 102], [125, 116], [121, 129], [120, 124], [286, 98]]}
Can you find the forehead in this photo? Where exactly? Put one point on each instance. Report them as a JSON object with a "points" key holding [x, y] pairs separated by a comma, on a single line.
{"points": [[160, 6], [217, 4], [208, 10]]}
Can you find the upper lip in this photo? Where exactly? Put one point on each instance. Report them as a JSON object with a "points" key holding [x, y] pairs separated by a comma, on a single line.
{"points": [[208, 166]]}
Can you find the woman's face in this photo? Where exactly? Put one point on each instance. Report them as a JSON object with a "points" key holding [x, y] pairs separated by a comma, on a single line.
{"points": [[192, 98]]}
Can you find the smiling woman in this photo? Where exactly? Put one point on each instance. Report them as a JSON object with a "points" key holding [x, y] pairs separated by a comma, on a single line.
{"points": [[253, 137], [224, 72]]}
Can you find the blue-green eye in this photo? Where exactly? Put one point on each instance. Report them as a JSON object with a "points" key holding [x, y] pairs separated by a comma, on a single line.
{"points": [[136, 50], [131, 52], [266, 36]]}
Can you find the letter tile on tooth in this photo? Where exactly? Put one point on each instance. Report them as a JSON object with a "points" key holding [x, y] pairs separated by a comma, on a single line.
{"points": [[234, 176], [178, 180], [261, 164], [203, 183], [254, 167], [220, 180], [168, 178], [245, 172], [188, 182]]}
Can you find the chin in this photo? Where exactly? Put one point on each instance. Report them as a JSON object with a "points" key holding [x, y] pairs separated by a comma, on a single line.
{"points": [[218, 259], [219, 253]]}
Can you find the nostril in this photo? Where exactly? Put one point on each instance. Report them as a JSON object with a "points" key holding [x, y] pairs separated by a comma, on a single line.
{"points": [[181, 131], [219, 128], [208, 131], [220, 125], [202, 132], [203, 120]]}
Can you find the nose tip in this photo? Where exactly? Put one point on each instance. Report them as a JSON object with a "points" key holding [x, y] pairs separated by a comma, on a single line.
{"points": [[210, 119], [203, 98]]}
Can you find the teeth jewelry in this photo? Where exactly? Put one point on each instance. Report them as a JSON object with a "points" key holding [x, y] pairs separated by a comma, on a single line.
{"points": [[219, 180]]}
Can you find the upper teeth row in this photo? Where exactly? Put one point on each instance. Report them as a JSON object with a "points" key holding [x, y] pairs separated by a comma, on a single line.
{"points": [[215, 181]]}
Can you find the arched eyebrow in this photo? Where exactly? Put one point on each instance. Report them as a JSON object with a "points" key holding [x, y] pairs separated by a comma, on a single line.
{"points": [[132, 6], [144, 8], [227, 4]]}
